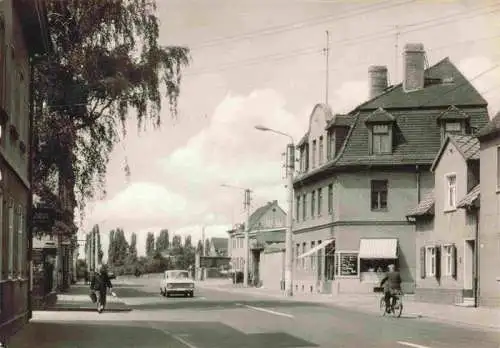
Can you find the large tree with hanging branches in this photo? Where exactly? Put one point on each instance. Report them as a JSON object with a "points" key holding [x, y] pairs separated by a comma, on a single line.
{"points": [[106, 65]]}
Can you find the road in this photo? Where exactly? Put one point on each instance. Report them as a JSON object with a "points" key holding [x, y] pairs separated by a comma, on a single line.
{"points": [[215, 319]]}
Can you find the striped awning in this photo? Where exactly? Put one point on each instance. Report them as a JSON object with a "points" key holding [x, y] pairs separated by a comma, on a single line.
{"points": [[316, 248], [378, 248]]}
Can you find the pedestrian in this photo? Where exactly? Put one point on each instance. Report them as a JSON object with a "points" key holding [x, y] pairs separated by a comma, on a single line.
{"points": [[391, 283], [101, 283]]}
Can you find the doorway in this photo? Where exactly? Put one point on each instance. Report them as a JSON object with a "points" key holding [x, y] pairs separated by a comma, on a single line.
{"points": [[469, 267]]}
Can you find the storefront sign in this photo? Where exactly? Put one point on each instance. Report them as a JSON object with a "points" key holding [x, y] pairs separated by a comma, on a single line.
{"points": [[348, 264]]}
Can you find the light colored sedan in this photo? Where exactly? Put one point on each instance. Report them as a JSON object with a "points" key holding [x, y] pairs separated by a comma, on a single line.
{"points": [[177, 282]]}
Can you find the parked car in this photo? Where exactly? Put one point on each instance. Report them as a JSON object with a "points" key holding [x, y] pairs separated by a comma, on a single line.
{"points": [[177, 282]]}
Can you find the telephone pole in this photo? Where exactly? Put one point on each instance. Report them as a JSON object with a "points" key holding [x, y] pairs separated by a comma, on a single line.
{"points": [[327, 56], [396, 55], [246, 204]]}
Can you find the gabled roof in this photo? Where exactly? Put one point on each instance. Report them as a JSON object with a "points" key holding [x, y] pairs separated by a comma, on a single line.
{"points": [[491, 130], [470, 198], [460, 92], [453, 113], [424, 208], [379, 115], [219, 243], [259, 213], [467, 145]]}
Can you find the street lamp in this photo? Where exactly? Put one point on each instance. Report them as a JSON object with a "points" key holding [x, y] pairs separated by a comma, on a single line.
{"points": [[290, 166], [246, 203]]}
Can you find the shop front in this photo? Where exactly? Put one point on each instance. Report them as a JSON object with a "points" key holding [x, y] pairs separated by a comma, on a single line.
{"points": [[44, 285], [315, 267]]}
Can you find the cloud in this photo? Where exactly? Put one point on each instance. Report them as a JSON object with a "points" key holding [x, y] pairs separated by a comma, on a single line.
{"points": [[349, 95], [472, 67]]}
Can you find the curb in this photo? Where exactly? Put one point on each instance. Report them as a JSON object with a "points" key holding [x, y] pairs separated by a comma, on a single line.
{"points": [[357, 309]]}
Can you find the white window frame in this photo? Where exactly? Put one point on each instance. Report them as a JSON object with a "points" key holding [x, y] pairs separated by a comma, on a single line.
{"points": [[448, 190], [430, 261], [447, 257], [453, 129], [11, 216]]}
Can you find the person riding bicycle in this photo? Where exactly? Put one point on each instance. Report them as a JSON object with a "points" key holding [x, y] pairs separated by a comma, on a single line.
{"points": [[100, 283], [392, 284]]}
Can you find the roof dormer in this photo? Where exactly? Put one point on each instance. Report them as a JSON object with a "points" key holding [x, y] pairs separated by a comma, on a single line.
{"points": [[380, 124], [453, 121], [337, 130]]}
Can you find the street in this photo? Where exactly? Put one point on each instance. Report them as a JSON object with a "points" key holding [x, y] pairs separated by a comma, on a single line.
{"points": [[216, 319]]}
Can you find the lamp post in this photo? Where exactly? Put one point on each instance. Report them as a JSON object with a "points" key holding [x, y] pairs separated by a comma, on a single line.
{"points": [[246, 247], [290, 167]]}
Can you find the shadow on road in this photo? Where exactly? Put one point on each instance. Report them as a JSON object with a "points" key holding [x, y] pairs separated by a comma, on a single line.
{"points": [[146, 335]]}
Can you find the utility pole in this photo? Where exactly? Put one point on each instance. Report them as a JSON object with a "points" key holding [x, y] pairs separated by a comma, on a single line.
{"points": [[396, 55], [288, 238], [327, 56], [203, 250], [246, 203]]}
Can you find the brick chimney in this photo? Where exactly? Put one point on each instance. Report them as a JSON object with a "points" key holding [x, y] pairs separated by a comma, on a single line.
{"points": [[414, 66], [378, 80]]}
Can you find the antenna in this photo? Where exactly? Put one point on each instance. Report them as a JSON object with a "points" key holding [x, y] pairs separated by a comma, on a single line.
{"points": [[327, 56], [396, 60]]}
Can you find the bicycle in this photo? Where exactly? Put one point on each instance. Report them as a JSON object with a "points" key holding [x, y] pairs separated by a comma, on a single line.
{"points": [[396, 309]]}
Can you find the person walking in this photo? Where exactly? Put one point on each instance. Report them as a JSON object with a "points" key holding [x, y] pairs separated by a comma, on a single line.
{"points": [[100, 283]]}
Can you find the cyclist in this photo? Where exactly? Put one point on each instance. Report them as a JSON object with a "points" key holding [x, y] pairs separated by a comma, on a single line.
{"points": [[100, 283], [392, 284]]}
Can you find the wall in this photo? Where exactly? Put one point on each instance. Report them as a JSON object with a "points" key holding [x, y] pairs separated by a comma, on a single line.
{"points": [[272, 219], [489, 237], [318, 121]]}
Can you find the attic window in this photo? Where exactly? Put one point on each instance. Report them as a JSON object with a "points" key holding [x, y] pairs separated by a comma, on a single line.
{"points": [[452, 127], [381, 139]]}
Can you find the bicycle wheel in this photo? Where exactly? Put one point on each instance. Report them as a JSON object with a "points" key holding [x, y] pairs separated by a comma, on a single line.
{"points": [[398, 308], [382, 306]]}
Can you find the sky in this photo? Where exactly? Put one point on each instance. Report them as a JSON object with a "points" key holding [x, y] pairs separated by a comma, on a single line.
{"points": [[262, 62]]}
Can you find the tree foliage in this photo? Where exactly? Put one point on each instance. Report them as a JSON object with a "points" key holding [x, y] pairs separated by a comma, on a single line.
{"points": [[150, 244], [107, 64], [163, 241]]}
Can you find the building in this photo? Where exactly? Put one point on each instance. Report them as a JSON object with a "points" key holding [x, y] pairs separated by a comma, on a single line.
{"points": [[447, 223], [489, 225], [218, 247], [266, 227], [22, 35], [372, 165]]}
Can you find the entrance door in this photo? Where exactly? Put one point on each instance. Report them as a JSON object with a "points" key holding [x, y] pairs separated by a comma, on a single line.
{"points": [[469, 267]]}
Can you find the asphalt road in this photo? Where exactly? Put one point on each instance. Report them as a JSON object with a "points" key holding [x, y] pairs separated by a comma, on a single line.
{"points": [[214, 319]]}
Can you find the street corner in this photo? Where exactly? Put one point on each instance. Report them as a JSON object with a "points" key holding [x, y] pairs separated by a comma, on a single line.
{"points": [[90, 335]]}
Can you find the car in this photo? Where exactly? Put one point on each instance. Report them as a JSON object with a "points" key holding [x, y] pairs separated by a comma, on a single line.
{"points": [[177, 282], [112, 275]]}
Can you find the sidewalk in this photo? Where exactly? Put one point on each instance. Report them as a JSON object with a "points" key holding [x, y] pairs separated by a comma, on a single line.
{"points": [[77, 299], [482, 317]]}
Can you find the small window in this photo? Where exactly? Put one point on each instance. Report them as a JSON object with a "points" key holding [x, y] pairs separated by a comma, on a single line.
{"points": [[313, 203], [330, 198], [451, 192], [378, 194], [452, 127], [430, 262], [381, 139], [320, 201], [330, 146]]}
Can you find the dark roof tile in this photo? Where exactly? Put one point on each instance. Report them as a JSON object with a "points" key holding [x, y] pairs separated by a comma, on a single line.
{"points": [[453, 113], [340, 121], [379, 115], [470, 198], [491, 129], [425, 207]]}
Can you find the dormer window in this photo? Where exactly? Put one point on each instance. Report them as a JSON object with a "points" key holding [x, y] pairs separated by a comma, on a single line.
{"points": [[320, 155], [453, 121], [304, 158], [313, 155], [331, 145], [380, 125]]}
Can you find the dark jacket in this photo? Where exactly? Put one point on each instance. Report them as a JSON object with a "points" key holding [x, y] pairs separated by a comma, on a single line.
{"points": [[391, 281], [100, 282]]}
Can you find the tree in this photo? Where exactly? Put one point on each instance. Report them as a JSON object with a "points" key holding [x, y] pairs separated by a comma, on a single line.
{"points": [[176, 244], [106, 63], [111, 247], [132, 259], [199, 247], [120, 248], [100, 253], [187, 242], [207, 247], [163, 241], [150, 244]]}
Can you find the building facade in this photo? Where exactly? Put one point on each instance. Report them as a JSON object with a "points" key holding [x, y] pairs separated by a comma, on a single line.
{"points": [[446, 224], [351, 206], [22, 34], [489, 225]]}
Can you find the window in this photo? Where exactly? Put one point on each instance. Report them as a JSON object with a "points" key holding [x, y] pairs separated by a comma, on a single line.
{"points": [[452, 127], [313, 203], [330, 198], [451, 192], [320, 199], [303, 262], [313, 157], [21, 247], [379, 194], [347, 264], [381, 139], [498, 168], [320, 155], [430, 261], [297, 207], [449, 262], [11, 239], [297, 254], [330, 146], [304, 207]]}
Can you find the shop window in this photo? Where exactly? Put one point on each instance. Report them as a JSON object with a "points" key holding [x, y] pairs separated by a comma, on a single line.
{"points": [[347, 264], [373, 270]]}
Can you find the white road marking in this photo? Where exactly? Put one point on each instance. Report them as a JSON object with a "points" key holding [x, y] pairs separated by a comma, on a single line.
{"points": [[269, 311], [178, 338], [408, 344]]}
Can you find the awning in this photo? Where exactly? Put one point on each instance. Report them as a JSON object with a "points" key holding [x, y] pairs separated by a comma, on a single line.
{"points": [[316, 248], [378, 248]]}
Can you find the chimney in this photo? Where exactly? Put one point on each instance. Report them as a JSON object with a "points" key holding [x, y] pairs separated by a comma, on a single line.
{"points": [[414, 66], [378, 80]]}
